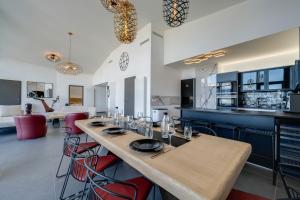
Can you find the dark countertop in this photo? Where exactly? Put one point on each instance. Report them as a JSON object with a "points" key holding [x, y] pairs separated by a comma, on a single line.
{"points": [[277, 114]]}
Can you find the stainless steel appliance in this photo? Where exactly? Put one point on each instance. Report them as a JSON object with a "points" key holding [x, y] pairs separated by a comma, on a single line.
{"points": [[295, 103], [227, 90], [188, 93], [227, 102], [157, 114]]}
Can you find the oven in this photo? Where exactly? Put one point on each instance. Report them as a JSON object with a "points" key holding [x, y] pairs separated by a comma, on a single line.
{"points": [[227, 101]]}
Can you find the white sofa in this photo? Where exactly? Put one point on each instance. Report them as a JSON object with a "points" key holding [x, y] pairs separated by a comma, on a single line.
{"points": [[7, 114], [60, 114]]}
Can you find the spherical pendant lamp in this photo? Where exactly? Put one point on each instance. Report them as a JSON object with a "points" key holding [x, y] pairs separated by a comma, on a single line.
{"points": [[110, 5], [125, 22], [175, 11]]}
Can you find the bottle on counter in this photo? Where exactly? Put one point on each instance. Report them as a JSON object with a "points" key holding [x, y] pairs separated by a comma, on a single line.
{"points": [[116, 115], [165, 126]]}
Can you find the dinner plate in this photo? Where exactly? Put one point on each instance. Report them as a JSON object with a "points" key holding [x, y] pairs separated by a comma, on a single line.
{"points": [[146, 145], [114, 131], [97, 123]]}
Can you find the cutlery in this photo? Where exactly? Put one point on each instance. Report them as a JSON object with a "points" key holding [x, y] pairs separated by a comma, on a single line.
{"points": [[160, 153]]}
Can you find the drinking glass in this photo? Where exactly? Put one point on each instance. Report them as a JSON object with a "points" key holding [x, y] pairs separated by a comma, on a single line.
{"points": [[149, 132], [188, 131], [171, 132]]}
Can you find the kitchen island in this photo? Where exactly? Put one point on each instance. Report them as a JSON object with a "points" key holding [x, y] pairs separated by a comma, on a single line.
{"points": [[258, 128], [204, 168]]}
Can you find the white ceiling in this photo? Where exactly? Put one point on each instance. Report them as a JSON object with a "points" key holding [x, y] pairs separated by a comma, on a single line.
{"points": [[286, 42], [32, 27]]}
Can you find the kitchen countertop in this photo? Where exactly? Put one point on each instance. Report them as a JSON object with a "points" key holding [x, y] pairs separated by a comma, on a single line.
{"points": [[277, 114]]}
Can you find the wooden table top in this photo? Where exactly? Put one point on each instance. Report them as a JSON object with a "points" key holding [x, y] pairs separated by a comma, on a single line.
{"points": [[204, 168]]}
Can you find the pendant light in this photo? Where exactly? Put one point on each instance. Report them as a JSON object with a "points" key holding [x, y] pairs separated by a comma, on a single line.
{"points": [[125, 22], [110, 5], [175, 11], [69, 67]]}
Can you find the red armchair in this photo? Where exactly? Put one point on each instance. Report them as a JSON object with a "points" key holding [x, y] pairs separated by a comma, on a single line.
{"points": [[30, 126], [70, 122]]}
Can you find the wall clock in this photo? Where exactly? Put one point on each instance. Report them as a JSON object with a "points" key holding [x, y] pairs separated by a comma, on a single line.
{"points": [[124, 61]]}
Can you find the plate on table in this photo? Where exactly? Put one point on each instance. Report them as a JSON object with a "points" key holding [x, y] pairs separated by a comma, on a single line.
{"points": [[146, 145], [114, 131], [97, 123]]}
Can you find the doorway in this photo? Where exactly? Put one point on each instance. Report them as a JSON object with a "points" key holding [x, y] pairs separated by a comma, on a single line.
{"points": [[76, 95], [101, 98], [129, 96]]}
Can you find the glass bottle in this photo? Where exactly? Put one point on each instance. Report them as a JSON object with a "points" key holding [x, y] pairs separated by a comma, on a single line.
{"points": [[165, 126], [116, 115]]}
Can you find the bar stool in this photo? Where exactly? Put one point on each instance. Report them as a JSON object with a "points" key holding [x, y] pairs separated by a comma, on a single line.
{"points": [[205, 130], [82, 147], [288, 170], [235, 130], [77, 168], [201, 123], [104, 187], [240, 195]]}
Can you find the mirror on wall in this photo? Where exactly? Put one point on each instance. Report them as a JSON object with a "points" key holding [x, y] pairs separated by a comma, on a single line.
{"points": [[39, 90], [76, 95]]}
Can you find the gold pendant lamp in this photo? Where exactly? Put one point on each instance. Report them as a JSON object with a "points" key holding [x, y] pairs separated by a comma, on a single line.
{"points": [[125, 22], [110, 5]]}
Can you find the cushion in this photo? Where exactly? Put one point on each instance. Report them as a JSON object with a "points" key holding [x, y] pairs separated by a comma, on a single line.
{"points": [[8, 111], [240, 195], [79, 170], [7, 122], [143, 187]]}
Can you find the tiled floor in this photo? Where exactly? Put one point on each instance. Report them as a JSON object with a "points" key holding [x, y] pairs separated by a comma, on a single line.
{"points": [[27, 170]]}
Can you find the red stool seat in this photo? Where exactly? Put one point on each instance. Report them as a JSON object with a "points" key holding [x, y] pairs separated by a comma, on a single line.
{"points": [[240, 195], [142, 184], [82, 147], [79, 170], [70, 122], [87, 145]]}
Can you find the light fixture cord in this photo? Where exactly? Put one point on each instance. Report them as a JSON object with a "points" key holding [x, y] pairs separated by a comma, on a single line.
{"points": [[70, 45]]}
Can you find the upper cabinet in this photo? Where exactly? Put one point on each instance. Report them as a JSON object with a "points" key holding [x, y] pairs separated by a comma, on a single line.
{"points": [[249, 81], [279, 79], [265, 80]]}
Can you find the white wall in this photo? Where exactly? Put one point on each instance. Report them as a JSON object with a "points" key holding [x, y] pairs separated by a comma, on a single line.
{"points": [[165, 80], [139, 66], [243, 22], [16, 70], [62, 90]]}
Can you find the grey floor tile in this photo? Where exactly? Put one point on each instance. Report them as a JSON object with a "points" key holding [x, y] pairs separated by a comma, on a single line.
{"points": [[27, 170]]}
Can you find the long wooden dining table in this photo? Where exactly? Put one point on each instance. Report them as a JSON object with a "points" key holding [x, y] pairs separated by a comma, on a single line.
{"points": [[205, 168]]}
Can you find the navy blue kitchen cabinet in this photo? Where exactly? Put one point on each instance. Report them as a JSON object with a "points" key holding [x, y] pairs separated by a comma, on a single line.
{"points": [[254, 129], [262, 142]]}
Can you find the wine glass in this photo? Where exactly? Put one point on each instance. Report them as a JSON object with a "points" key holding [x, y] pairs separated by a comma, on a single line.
{"points": [[171, 132]]}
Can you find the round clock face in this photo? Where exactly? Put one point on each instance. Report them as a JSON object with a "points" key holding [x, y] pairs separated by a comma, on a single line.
{"points": [[124, 61]]}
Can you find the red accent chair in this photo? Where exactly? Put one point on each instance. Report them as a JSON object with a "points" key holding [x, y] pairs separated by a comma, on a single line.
{"points": [[240, 195], [70, 122], [30, 126]]}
